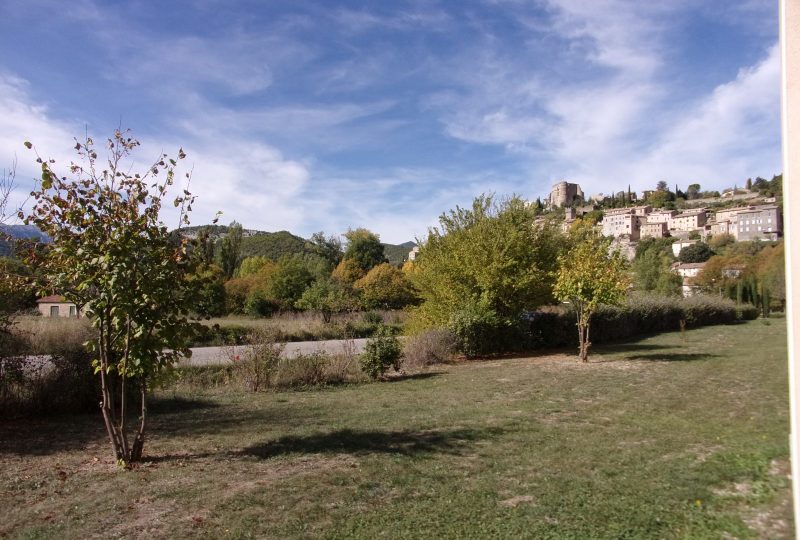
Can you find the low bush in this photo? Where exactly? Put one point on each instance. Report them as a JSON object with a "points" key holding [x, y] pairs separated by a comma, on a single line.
{"points": [[236, 334], [380, 353], [479, 330], [40, 385], [302, 371], [371, 317], [747, 312], [429, 348], [344, 367], [256, 366], [555, 327], [258, 304], [217, 336], [202, 377]]}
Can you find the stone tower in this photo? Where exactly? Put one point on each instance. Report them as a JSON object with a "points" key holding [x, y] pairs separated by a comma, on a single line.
{"points": [[564, 194]]}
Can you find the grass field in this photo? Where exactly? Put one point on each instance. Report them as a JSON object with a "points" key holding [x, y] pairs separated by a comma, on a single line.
{"points": [[672, 436]]}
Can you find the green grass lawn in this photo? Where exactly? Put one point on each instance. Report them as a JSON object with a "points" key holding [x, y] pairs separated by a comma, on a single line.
{"points": [[672, 436]]}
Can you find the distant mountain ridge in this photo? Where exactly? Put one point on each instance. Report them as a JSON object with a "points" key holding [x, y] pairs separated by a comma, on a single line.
{"points": [[21, 232], [274, 245], [24, 231]]}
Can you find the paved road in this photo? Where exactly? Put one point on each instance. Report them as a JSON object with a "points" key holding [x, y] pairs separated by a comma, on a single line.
{"points": [[205, 356]]}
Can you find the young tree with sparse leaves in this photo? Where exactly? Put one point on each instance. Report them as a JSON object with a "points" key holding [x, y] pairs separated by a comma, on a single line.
{"points": [[115, 259], [589, 276]]}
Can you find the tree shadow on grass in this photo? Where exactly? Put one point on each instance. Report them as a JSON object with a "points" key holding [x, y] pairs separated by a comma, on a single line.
{"points": [[51, 435], [414, 376], [357, 442], [175, 404], [613, 348], [672, 357]]}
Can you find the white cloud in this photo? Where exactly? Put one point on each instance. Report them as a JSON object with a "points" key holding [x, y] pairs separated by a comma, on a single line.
{"points": [[614, 120], [249, 181], [23, 120], [620, 35]]}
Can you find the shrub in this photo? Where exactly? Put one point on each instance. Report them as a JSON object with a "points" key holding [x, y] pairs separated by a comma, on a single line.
{"points": [[344, 367], [216, 335], [380, 353], [747, 312], [34, 386], [385, 286], [429, 348], [371, 317], [258, 304], [555, 327], [303, 370], [202, 377], [479, 330], [255, 368]]}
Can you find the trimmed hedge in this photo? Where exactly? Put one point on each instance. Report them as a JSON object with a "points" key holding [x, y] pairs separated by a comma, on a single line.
{"points": [[555, 327], [213, 336]]}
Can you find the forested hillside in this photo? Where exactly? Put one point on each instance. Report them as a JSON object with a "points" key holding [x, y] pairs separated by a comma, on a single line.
{"points": [[273, 245]]}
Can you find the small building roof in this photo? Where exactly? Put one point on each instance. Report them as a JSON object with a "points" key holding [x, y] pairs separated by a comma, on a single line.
{"points": [[689, 266], [53, 299]]}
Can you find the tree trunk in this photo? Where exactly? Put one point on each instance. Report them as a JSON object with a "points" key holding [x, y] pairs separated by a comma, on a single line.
{"points": [[583, 338], [106, 406], [138, 442], [587, 343]]}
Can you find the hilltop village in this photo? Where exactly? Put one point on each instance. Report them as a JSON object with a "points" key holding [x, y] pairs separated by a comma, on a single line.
{"points": [[746, 214], [753, 213]]}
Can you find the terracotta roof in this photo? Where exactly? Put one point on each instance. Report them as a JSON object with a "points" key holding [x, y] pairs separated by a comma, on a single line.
{"points": [[53, 299]]}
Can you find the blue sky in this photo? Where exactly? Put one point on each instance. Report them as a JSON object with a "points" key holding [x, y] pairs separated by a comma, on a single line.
{"points": [[324, 115]]}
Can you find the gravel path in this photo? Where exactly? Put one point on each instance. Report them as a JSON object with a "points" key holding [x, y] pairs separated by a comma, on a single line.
{"points": [[206, 356]]}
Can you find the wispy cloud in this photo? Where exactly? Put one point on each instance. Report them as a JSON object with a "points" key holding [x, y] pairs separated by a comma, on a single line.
{"points": [[22, 120], [320, 115], [621, 124]]}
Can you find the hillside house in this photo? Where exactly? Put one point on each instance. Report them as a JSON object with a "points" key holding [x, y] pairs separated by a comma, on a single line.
{"points": [[691, 220], [624, 222], [654, 230], [57, 306], [729, 214], [661, 216], [758, 223], [716, 228]]}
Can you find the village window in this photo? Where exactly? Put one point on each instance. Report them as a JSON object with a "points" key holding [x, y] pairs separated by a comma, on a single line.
{"points": [[73, 311], [54, 311]]}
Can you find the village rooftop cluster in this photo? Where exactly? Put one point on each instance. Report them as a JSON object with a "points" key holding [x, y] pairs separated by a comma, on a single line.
{"points": [[758, 218]]}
